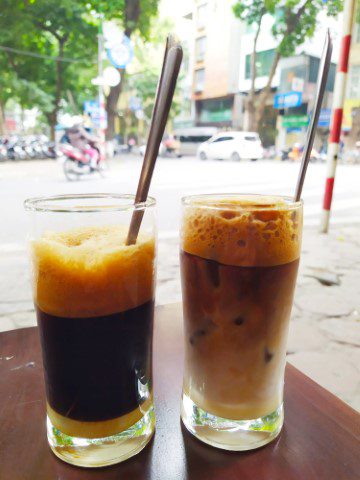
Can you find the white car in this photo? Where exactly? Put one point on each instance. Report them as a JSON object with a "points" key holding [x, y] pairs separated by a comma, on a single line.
{"points": [[232, 145], [162, 150]]}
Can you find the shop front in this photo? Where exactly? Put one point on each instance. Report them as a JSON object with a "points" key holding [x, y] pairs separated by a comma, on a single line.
{"points": [[216, 112]]}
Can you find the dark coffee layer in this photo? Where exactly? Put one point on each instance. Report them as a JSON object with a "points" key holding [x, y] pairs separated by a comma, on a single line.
{"points": [[96, 367]]}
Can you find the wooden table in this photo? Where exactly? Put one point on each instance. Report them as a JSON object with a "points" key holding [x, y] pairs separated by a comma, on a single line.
{"points": [[319, 441]]}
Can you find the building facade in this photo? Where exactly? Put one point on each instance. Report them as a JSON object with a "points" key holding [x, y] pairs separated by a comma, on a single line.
{"points": [[298, 78], [217, 43], [289, 105], [219, 76]]}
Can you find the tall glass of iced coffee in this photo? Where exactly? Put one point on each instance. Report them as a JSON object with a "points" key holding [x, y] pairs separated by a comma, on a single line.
{"points": [[239, 262], [94, 300]]}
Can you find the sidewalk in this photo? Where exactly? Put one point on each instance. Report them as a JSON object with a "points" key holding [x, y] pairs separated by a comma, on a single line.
{"points": [[324, 340]]}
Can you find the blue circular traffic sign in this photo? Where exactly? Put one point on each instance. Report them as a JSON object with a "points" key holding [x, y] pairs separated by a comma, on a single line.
{"points": [[121, 54]]}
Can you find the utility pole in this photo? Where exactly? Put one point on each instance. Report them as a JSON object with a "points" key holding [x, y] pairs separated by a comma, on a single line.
{"points": [[337, 112]]}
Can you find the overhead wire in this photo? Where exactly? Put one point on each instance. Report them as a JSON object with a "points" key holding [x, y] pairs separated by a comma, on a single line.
{"points": [[48, 57]]}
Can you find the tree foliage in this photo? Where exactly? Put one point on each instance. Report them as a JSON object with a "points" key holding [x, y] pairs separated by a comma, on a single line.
{"points": [[53, 31], [294, 22], [135, 17], [57, 31], [149, 57]]}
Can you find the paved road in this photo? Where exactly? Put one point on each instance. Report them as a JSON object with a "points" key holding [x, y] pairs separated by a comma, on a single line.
{"points": [[174, 178]]}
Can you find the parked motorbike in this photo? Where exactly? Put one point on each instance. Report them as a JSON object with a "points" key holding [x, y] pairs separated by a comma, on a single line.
{"points": [[284, 154], [295, 153], [269, 152], [16, 147], [49, 150], [29, 150], [38, 150], [15, 151], [3, 152]]}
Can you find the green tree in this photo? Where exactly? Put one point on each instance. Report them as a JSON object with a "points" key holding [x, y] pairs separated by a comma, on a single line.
{"points": [[149, 56], [135, 17], [295, 21], [61, 36], [145, 84], [26, 94], [63, 33]]}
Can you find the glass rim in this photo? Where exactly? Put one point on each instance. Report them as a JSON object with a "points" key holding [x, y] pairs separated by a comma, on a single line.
{"points": [[56, 203], [202, 201]]}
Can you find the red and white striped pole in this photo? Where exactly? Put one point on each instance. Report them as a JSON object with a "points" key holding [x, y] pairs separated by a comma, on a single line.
{"points": [[337, 112]]}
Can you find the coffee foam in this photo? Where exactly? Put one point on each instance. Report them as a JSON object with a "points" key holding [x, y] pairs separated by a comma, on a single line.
{"points": [[243, 231], [88, 272]]}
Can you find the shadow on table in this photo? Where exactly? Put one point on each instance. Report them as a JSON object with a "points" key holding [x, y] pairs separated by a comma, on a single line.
{"points": [[192, 460], [138, 467], [204, 462]]}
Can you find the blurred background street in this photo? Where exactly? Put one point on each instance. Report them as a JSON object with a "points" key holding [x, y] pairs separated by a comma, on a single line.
{"points": [[77, 86]]}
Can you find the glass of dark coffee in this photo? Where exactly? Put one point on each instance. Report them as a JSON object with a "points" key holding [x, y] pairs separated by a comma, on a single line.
{"points": [[94, 300], [239, 262]]}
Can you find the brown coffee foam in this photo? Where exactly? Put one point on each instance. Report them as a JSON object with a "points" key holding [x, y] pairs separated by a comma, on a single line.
{"points": [[243, 231], [88, 272]]}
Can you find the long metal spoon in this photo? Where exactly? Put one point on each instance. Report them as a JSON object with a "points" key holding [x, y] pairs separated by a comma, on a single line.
{"points": [[164, 95], [320, 90]]}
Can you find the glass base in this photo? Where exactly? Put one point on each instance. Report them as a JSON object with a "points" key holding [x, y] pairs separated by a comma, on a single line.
{"points": [[99, 452], [236, 435]]}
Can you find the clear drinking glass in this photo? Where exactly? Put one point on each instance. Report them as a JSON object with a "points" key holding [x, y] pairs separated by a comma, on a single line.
{"points": [[239, 262], [94, 300]]}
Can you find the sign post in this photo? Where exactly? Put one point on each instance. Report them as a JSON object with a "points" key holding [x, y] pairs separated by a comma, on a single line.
{"points": [[295, 121], [119, 47], [287, 100]]}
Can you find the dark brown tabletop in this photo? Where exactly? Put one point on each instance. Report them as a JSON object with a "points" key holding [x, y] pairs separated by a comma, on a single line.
{"points": [[320, 439]]}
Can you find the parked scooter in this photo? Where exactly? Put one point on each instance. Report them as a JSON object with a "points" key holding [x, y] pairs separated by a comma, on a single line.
{"points": [[49, 150], [3, 151], [14, 149], [294, 154], [26, 147]]}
